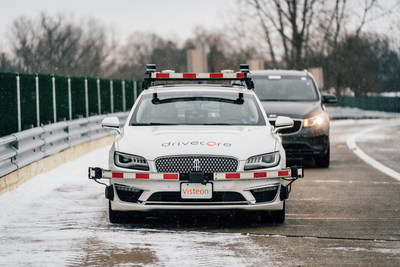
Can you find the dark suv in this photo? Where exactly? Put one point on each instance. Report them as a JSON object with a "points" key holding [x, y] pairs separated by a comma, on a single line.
{"points": [[295, 94]]}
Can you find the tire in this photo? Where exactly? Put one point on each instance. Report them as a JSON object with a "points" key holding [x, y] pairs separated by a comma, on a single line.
{"points": [[323, 162], [276, 216], [116, 216], [279, 215]]}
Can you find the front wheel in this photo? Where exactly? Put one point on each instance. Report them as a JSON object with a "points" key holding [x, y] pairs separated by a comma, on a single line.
{"points": [[279, 215], [276, 216], [323, 162], [116, 216]]}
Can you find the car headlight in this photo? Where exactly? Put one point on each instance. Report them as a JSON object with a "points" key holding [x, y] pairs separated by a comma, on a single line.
{"points": [[130, 161], [262, 161], [317, 121]]}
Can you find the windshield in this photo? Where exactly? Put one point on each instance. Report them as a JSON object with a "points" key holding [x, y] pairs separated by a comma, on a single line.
{"points": [[193, 108], [277, 88]]}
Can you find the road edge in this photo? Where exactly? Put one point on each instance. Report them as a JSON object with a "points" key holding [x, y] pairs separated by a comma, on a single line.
{"points": [[351, 144], [18, 177]]}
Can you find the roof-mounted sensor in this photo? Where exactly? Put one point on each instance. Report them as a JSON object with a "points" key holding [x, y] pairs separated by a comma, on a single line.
{"points": [[154, 76]]}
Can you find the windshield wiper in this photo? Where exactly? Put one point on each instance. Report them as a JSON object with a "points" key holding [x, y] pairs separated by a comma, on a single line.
{"points": [[152, 124], [217, 123]]}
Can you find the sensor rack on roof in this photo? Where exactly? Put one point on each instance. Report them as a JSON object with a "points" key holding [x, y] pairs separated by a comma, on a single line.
{"points": [[179, 76], [171, 76]]}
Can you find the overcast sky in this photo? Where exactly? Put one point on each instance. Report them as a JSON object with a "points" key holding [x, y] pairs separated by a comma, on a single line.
{"points": [[166, 17], [172, 19]]}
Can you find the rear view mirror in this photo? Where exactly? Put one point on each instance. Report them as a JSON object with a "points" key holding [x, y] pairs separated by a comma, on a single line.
{"points": [[329, 99], [111, 123], [283, 122]]}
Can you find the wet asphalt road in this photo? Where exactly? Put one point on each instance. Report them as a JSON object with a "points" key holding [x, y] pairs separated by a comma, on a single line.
{"points": [[348, 214]]}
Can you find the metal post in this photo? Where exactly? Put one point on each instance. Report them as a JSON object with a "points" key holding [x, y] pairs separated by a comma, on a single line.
{"points": [[19, 103], [37, 101], [86, 98], [134, 91], [112, 96], [123, 96], [98, 96], [69, 99], [53, 81]]}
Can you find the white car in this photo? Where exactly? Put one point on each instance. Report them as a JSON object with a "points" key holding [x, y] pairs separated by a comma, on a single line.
{"points": [[197, 146]]}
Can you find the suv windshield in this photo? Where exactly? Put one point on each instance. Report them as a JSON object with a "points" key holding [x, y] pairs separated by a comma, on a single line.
{"points": [[277, 88], [196, 108]]}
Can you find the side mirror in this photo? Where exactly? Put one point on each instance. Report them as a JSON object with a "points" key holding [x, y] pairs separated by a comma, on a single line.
{"points": [[329, 99], [111, 123], [283, 122]]}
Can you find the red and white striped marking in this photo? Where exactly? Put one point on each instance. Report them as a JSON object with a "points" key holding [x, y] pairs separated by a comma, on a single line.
{"points": [[143, 176], [217, 176], [252, 175], [237, 75]]}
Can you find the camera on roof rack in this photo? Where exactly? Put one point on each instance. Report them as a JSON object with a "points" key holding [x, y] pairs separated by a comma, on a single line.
{"points": [[244, 68], [150, 68]]}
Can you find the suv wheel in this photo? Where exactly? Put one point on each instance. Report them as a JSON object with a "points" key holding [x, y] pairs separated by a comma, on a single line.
{"points": [[323, 161]]}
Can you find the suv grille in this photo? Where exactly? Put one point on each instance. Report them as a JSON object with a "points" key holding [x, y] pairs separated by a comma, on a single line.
{"points": [[206, 164], [296, 127]]}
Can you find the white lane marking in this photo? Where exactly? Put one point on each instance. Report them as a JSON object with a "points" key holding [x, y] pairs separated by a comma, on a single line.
{"points": [[351, 143]]}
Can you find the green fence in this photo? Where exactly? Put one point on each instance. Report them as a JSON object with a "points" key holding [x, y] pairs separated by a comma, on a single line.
{"points": [[380, 103], [31, 100]]}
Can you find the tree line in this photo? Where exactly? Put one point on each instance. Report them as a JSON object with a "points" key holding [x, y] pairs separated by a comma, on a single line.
{"points": [[289, 34]]}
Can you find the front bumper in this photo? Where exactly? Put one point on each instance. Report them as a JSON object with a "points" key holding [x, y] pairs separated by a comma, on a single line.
{"points": [[307, 142], [265, 190], [303, 146]]}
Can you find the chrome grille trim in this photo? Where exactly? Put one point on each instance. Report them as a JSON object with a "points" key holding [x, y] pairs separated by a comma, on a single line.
{"points": [[189, 163]]}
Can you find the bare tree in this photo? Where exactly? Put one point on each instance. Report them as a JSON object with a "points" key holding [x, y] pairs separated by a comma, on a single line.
{"points": [[144, 48], [292, 20], [6, 65], [307, 26], [56, 45]]}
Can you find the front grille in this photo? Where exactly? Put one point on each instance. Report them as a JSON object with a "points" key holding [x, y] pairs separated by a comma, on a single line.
{"points": [[186, 164], [296, 127], [294, 151], [219, 198]]}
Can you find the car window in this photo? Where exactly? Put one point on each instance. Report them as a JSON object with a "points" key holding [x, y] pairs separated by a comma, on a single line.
{"points": [[279, 88], [197, 109]]}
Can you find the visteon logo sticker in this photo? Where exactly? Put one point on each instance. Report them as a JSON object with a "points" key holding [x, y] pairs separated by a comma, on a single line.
{"points": [[197, 143]]}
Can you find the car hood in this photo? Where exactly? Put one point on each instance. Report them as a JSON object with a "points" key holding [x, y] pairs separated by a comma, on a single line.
{"points": [[235, 141], [292, 109]]}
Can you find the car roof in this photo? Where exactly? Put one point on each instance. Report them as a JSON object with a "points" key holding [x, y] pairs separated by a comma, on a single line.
{"points": [[297, 73]]}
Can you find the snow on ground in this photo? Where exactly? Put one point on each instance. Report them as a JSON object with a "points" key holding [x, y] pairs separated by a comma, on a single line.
{"points": [[60, 218]]}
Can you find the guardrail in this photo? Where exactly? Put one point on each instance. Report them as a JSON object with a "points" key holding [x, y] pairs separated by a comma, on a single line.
{"points": [[22, 148]]}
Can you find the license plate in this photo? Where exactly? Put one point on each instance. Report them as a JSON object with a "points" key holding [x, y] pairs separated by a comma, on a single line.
{"points": [[196, 191]]}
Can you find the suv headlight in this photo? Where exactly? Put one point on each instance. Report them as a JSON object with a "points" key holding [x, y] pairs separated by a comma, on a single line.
{"points": [[262, 161], [130, 161], [317, 121]]}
